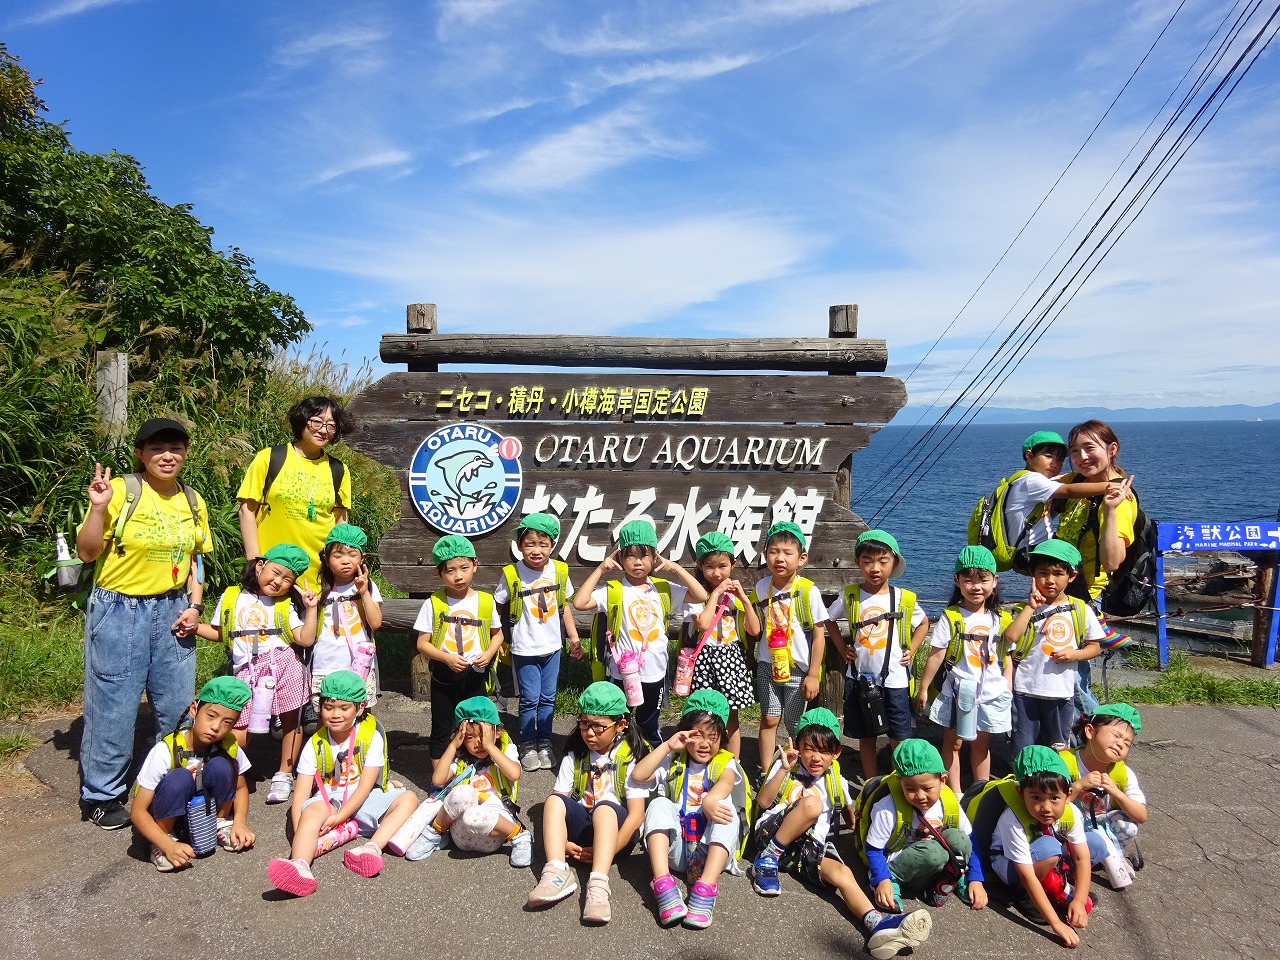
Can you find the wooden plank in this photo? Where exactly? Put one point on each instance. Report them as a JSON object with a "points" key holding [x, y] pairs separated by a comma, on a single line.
{"points": [[842, 320], [730, 398], [112, 391], [420, 318], [660, 353], [573, 447]]}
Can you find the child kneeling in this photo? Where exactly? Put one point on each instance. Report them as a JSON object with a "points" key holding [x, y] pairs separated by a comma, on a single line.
{"points": [[693, 825], [347, 754]]}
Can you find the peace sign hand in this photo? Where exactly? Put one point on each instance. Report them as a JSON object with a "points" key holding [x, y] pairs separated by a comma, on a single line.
{"points": [[100, 487], [1118, 493]]}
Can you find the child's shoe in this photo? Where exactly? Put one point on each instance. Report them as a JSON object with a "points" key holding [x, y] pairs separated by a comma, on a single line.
{"points": [[522, 849], [764, 876], [596, 910], [160, 860], [291, 876], [281, 788], [556, 883], [933, 898], [896, 932], [702, 904], [224, 835], [428, 842], [671, 908], [366, 859]]}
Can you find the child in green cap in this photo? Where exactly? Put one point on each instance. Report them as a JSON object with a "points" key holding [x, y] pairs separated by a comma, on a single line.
{"points": [[1049, 635], [347, 759], [695, 822], [350, 610], [792, 614], [720, 662], [260, 620], [459, 635], [915, 836], [886, 628], [799, 803], [202, 757], [593, 813], [532, 596], [637, 609]]}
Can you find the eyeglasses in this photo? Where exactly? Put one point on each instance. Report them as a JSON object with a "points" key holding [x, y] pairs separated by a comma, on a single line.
{"points": [[322, 426], [595, 728]]}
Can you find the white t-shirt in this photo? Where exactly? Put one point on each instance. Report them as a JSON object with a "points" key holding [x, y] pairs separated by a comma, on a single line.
{"points": [[797, 789], [980, 659], [341, 629], [463, 638], [538, 632], [696, 779], [1023, 495], [724, 633], [1096, 805], [641, 626], [884, 817], [602, 769], [345, 776], [1010, 837], [159, 761], [782, 609], [871, 642], [1038, 675], [254, 612]]}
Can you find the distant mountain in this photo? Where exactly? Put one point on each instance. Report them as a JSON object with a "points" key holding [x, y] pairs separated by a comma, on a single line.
{"points": [[1234, 411]]}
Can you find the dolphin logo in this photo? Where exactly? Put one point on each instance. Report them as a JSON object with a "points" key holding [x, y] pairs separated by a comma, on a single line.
{"points": [[456, 469]]}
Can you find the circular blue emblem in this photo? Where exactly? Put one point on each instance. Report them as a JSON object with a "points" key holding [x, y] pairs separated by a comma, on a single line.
{"points": [[466, 478]]}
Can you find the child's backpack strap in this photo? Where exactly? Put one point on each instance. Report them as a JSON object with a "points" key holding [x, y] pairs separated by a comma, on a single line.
{"points": [[275, 463], [1119, 773], [365, 732], [869, 794], [621, 762]]}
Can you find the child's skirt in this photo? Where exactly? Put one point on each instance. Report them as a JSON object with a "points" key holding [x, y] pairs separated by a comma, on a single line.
{"points": [[475, 820], [723, 667], [292, 687]]}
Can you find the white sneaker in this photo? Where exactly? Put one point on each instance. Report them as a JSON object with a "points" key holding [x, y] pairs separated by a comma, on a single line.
{"points": [[281, 788], [546, 759]]}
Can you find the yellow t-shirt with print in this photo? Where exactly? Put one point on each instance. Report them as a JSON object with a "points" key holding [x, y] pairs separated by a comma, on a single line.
{"points": [[301, 484], [159, 536], [1126, 517]]}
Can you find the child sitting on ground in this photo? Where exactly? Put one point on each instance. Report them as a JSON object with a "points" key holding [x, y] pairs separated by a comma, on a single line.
{"points": [[693, 825], [480, 768], [203, 757], [347, 755], [796, 831]]}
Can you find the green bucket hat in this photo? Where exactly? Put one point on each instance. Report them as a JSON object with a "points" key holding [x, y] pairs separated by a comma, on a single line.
{"points": [[885, 539], [637, 533], [975, 557], [480, 709], [1035, 759], [226, 692], [818, 716], [1122, 710], [1057, 550], [602, 699], [450, 548], [712, 701], [1043, 438], [347, 534], [541, 522], [915, 756], [787, 526], [344, 685], [713, 542], [288, 556]]}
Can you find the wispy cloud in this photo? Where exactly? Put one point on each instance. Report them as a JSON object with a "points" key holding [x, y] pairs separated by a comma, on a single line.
{"points": [[676, 71], [370, 161], [353, 45], [63, 9], [469, 12]]}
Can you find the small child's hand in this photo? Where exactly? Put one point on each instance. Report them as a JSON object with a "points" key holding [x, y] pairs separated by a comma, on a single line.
{"points": [[362, 579], [977, 895], [679, 740], [1077, 915], [1035, 598], [310, 599], [1092, 780], [242, 838], [907, 657], [717, 811], [1068, 936], [454, 661], [921, 703], [576, 852], [179, 854], [487, 737], [809, 688], [575, 648], [661, 563], [790, 755], [459, 735], [884, 896], [612, 562], [330, 822], [1063, 655]]}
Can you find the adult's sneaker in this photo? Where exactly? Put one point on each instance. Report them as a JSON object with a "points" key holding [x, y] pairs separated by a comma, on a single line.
{"points": [[529, 760], [897, 932], [281, 788], [109, 815], [764, 876], [554, 885], [546, 759]]}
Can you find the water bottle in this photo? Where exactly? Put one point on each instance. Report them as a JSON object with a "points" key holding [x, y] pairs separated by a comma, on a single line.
{"points": [[264, 692], [202, 824], [344, 832], [1118, 873], [683, 685], [780, 655], [403, 838], [362, 659], [629, 670], [68, 569]]}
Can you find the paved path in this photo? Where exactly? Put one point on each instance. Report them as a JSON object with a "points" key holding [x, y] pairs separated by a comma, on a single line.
{"points": [[69, 890]]}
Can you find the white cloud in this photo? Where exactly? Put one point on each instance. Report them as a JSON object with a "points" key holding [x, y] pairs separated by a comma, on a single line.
{"points": [[66, 8], [370, 161], [679, 71], [353, 45]]}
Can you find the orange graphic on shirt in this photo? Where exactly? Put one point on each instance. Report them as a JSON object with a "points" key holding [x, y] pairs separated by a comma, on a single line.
{"points": [[482, 783], [644, 624], [253, 616], [347, 622], [978, 651], [780, 616], [727, 630], [542, 602], [874, 637], [462, 638], [1058, 634], [921, 832]]}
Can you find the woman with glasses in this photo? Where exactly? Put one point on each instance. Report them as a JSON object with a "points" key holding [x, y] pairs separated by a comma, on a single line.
{"points": [[296, 492]]}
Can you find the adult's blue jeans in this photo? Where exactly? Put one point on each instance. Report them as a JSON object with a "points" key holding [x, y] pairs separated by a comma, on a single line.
{"points": [[538, 678], [128, 649]]}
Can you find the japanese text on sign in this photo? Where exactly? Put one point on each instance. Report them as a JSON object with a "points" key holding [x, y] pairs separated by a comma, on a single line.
{"points": [[585, 403], [1222, 535]]}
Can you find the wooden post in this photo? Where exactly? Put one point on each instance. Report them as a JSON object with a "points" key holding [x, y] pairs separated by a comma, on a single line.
{"points": [[1263, 586], [421, 318], [112, 386], [842, 320]]}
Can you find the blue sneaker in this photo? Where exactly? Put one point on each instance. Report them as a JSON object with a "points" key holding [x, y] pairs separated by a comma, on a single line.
{"points": [[764, 876], [897, 932], [429, 841]]}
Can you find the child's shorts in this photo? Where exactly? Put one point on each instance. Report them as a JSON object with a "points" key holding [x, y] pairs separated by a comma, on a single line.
{"points": [[177, 787], [805, 855], [371, 812], [897, 709], [578, 821], [994, 716], [662, 816], [290, 675], [785, 700], [1042, 848], [474, 820]]}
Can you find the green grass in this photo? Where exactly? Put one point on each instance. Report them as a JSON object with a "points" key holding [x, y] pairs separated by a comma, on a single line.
{"points": [[41, 657], [13, 745], [1182, 683]]}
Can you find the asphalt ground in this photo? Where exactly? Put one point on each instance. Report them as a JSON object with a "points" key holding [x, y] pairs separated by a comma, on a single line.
{"points": [[71, 890]]}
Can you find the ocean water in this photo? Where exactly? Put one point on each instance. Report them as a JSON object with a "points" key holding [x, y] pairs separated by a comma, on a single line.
{"points": [[1196, 471]]}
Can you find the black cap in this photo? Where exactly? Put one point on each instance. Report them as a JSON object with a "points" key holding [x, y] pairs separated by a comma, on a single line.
{"points": [[156, 426]]}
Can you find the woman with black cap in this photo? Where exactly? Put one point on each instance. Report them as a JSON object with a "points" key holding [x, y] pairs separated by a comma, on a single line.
{"points": [[146, 533]]}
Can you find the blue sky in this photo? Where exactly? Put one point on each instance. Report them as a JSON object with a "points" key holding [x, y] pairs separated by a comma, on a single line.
{"points": [[725, 167]]}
